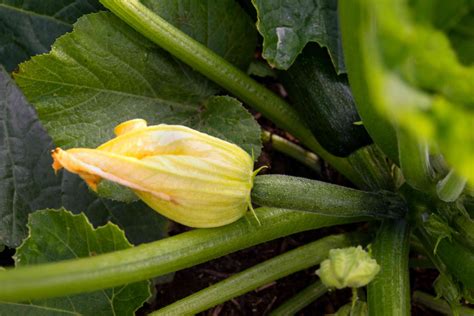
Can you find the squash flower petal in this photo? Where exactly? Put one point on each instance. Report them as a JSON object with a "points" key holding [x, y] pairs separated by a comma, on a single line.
{"points": [[188, 176]]}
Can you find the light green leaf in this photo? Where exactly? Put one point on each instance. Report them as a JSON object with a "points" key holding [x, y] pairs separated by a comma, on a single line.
{"points": [[259, 68], [104, 73], [27, 182], [224, 117], [403, 68], [287, 26], [59, 235], [455, 18], [30, 27]]}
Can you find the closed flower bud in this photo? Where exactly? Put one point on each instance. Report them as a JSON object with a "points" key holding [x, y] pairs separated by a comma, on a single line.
{"points": [[348, 267], [190, 177]]}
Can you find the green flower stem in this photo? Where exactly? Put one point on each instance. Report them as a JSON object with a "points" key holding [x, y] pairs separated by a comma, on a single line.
{"points": [[300, 300], [451, 187], [225, 74], [298, 259], [439, 305], [293, 150], [415, 162], [389, 292], [157, 258], [372, 166], [325, 198]]}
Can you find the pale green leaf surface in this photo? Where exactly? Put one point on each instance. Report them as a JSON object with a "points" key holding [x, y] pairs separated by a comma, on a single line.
{"points": [[413, 75], [455, 18], [59, 235], [104, 73], [288, 25], [27, 182], [29, 27]]}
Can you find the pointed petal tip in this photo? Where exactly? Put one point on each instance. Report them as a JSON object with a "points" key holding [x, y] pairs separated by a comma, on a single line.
{"points": [[129, 126], [57, 165]]}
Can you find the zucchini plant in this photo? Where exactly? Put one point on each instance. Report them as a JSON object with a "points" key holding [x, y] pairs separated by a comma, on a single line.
{"points": [[382, 91]]}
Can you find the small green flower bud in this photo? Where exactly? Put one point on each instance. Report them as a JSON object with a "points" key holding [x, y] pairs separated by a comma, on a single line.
{"points": [[348, 267]]}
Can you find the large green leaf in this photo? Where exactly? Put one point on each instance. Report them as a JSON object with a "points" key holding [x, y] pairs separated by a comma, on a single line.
{"points": [[140, 223], [288, 25], [104, 73], [88, 124], [403, 69], [30, 27], [59, 235], [27, 182], [220, 25]]}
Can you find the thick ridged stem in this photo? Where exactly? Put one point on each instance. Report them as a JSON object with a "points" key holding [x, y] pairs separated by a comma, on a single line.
{"points": [[389, 292], [325, 198], [157, 258], [415, 162]]}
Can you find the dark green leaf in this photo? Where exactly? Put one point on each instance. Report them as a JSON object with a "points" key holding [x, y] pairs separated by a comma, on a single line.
{"points": [[140, 223], [224, 117], [462, 38], [287, 26], [220, 25], [104, 73], [59, 235], [30, 27], [27, 182], [447, 288]]}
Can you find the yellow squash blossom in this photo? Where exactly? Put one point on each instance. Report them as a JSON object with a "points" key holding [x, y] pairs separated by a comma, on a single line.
{"points": [[190, 177]]}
